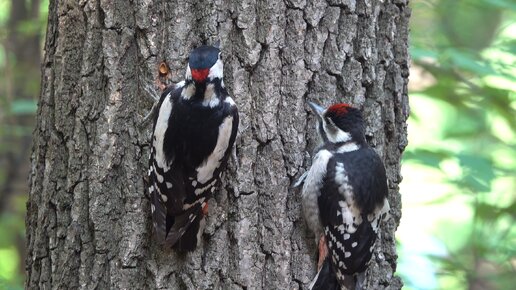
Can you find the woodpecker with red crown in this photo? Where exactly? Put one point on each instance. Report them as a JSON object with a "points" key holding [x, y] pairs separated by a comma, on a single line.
{"points": [[193, 135], [344, 198]]}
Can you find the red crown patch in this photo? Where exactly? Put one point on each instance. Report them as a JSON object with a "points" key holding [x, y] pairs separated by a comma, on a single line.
{"points": [[339, 109]]}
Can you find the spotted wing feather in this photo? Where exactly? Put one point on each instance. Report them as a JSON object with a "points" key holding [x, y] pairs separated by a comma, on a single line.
{"points": [[354, 202]]}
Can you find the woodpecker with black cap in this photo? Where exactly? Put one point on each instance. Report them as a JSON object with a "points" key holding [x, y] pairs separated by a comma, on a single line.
{"points": [[193, 135]]}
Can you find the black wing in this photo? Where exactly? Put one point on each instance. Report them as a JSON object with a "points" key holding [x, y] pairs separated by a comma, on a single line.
{"points": [[351, 206], [184, 184], [203, 181], [165, 186]]}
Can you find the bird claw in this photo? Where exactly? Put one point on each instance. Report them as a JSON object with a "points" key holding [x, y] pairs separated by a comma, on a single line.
{"points": [[300, 180], [153, 111], [153, 96]]}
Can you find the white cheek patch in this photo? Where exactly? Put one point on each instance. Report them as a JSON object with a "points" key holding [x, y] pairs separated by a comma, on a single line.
{"points": [[159, 132], [334, 134], [205, 171], [217, 70], [340, 136], [188, 74]]}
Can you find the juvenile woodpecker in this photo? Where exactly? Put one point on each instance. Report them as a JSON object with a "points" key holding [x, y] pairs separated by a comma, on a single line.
{"points": [[344, 198], [192, 138]]}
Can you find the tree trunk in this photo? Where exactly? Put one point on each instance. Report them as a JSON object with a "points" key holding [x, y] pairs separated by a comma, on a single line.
{"points": [[89, 223]]}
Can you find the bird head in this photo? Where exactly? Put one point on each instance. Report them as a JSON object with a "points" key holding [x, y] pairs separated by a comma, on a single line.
{"points": [[204, 64], [339, 123]]}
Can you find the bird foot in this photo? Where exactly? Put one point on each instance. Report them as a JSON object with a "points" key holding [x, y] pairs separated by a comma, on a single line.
{"points": [[205, 209], [300, 180], [153, 96]]}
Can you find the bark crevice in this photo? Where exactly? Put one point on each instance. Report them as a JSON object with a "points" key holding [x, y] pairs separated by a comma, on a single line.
{"points": [[88, 222]]}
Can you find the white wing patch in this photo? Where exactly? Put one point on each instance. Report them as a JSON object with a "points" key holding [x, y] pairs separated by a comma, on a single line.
{"points": [[205, 171], [159, 132]]}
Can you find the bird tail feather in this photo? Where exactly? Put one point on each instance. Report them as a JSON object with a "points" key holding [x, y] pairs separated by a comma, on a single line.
{"points": [[325, 278]]}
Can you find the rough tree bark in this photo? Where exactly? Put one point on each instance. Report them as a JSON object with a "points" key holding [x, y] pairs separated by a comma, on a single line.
{"points": [[88, 222]]}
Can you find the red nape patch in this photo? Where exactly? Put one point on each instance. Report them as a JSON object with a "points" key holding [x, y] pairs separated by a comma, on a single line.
{"points": [[339, 109], [199, 75]]}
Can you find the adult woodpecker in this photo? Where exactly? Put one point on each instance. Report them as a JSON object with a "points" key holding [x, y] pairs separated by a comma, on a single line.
{"points": [[344, 198], [192, 138]]}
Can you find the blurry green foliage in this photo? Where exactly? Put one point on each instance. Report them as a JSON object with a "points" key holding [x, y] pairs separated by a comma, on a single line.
{"points": [[14, 107], [20, 107], [464, 51]]}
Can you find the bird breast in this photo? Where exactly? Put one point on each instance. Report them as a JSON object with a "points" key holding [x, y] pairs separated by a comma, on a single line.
{"points": [[311, 191]]}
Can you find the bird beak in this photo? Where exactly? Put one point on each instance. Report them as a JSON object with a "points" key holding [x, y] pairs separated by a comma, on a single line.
{"points": [[318, 110]]}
